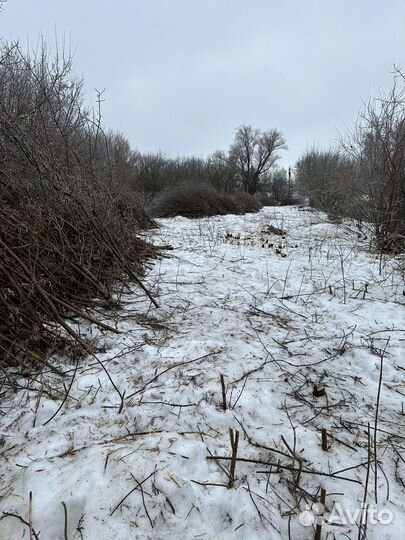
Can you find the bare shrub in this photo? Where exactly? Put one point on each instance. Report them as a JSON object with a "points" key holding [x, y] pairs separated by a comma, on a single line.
{"points": [[69, 233], [221, 171], [364, 178], [247, 203], [328, 177], [201, 200], [377, 146], [190, 200], [228, 204]]}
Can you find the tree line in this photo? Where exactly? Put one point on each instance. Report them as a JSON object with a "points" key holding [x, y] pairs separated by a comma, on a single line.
{"points": [[249, 166]]}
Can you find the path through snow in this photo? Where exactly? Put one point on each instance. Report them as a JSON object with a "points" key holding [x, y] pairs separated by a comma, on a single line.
{"points": [[276, 316]]}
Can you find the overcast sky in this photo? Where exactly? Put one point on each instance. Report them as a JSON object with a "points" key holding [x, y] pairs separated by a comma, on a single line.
{"points": [[181, 75]]}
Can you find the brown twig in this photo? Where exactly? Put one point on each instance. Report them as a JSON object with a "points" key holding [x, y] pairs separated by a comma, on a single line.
{"points": [[284, 467], [65, 521], [11, 514], [30, 514], [318, 528], [223, 393], [234, 438]]}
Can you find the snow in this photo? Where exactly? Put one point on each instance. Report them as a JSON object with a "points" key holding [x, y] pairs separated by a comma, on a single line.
{"points": [[275, 316]]}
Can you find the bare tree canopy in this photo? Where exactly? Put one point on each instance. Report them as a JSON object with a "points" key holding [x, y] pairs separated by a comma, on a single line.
{"points": [[377, 145], [364, 177], [254, 153]]}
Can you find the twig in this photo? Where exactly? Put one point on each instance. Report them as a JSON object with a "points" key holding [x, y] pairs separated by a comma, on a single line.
{"points": [[234, 437], [11, 514], [65, 527], [30, 514], [143, 500], [173, 366], [318, 529], [223, 393], [362, 533], [376, 421], [240, 393], [258, 445], [130, 492], [285, 467], [324, 439]]}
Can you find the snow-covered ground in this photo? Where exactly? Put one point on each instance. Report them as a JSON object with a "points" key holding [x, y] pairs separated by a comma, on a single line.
{"points": [[299, 327]]}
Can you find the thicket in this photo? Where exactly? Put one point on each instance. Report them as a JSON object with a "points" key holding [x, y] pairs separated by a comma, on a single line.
{"points": [[69, 229], [364, 177]]}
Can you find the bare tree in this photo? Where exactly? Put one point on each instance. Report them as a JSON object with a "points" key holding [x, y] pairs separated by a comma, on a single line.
{"points": [[221, 171], [254, 153], [153, 171], [377, 145], [124, 161], [280, 186], [328, 177]]}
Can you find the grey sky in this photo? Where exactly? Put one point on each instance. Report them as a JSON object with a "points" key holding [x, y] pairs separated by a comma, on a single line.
{"points": [[181, 75]]}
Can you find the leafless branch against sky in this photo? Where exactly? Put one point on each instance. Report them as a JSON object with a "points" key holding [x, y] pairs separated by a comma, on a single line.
{"points": [[180, 76]]}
